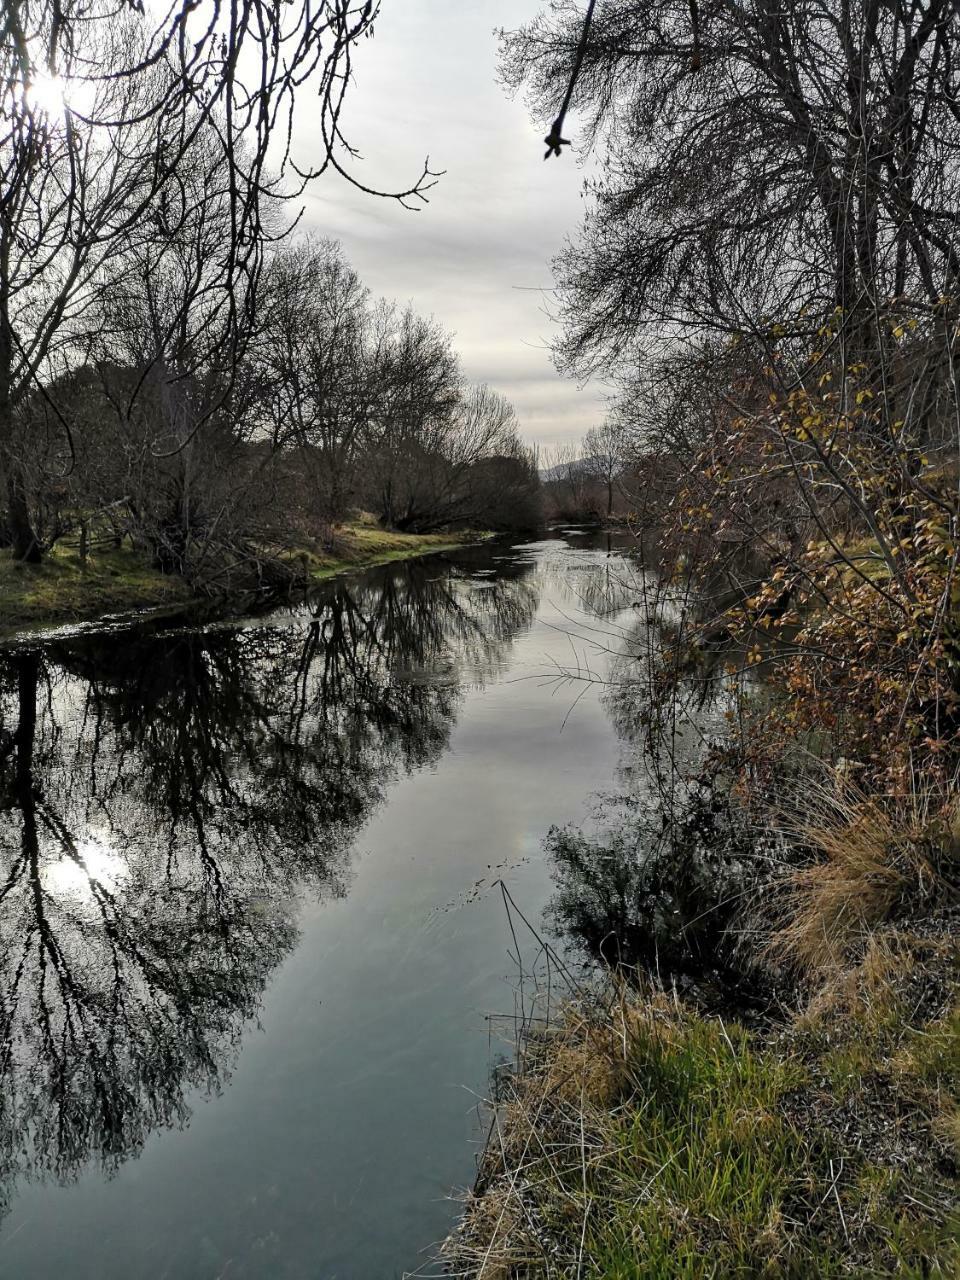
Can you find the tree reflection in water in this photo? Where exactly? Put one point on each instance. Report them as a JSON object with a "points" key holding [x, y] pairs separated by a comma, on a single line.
{"points": [[658, 883], [164, 799]]}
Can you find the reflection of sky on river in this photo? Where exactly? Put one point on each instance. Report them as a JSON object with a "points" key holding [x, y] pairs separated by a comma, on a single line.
{"points": [[332, 1028], [91, 866]]}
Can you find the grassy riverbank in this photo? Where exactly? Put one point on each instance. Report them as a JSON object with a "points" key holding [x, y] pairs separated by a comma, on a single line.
{"points": [[116, 580], [642, 1135], [642, 1139], [363, 546]]}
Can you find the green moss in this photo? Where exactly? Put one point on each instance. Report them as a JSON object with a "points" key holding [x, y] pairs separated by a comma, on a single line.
{"points": [[867, 555]]}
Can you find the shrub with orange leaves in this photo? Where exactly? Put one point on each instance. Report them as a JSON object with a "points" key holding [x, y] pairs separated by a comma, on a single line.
{"points": [[822, 530]]}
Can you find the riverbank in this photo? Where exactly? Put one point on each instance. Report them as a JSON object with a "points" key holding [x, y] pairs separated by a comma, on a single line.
{"points": [[645, 1134], [116, 580], [640, 1137], [649, 1133]]}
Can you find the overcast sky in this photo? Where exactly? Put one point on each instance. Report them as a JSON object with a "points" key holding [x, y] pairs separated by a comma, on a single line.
{"points": [[477, 256]]}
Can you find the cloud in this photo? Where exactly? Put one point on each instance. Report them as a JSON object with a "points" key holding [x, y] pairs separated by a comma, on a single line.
{"points": [[477, 257]]}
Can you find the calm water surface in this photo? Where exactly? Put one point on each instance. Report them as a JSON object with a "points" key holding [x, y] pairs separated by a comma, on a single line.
{"points": [[249, 927]]}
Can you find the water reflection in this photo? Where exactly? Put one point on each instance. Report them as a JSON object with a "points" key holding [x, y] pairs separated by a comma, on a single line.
{"points": [[165, 799], [656, 882], [657, 890]]}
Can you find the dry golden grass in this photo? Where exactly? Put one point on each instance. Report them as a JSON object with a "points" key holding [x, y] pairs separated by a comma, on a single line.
{"points": [[873, 861]]}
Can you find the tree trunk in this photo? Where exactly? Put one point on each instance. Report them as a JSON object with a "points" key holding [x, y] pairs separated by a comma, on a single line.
{"points": [[28, 675], [22, 537]]}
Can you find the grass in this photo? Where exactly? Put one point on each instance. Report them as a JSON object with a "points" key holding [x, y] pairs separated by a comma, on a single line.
{"points": [[870, 860], [639, 1138], [61, 589], [364, 545]]}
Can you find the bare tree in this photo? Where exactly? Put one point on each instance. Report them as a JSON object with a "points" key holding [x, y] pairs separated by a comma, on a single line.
{"points": [[435, 462], [103, 107], [321, 351], [770, 266], [766, 164], [568, 482], [603, 455]]}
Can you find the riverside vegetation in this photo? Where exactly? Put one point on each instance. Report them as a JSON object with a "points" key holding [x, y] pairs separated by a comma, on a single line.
{"points": [[762, 1075], [182, 375], [656, 1127], [114, 579], [345, 435]]}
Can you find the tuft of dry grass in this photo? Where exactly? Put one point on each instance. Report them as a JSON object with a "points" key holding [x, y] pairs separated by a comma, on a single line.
{"points": [[871, 861]]}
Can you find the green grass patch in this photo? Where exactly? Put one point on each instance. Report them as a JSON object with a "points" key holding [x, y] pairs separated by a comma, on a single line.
{"points": [[639, 1139], [706, 1165], [116, 580], [62, 589], [362, 545]]}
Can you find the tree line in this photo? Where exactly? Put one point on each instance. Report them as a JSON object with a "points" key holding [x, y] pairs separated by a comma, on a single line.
{"points": [[219, 464], [767, 275], [177, 366], [588, 480]]}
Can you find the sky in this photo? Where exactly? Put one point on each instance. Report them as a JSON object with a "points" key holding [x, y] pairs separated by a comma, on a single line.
{"points": [[477, 257]]}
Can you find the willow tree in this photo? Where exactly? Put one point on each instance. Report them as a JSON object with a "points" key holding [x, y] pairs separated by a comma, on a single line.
{"points": [[102, 104]]}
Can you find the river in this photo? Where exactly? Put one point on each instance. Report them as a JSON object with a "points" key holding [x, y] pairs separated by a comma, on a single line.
{"points": [[251, 924]]}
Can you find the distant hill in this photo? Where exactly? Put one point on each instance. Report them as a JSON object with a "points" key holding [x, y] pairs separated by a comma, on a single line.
{"points": [[588, 466]]}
